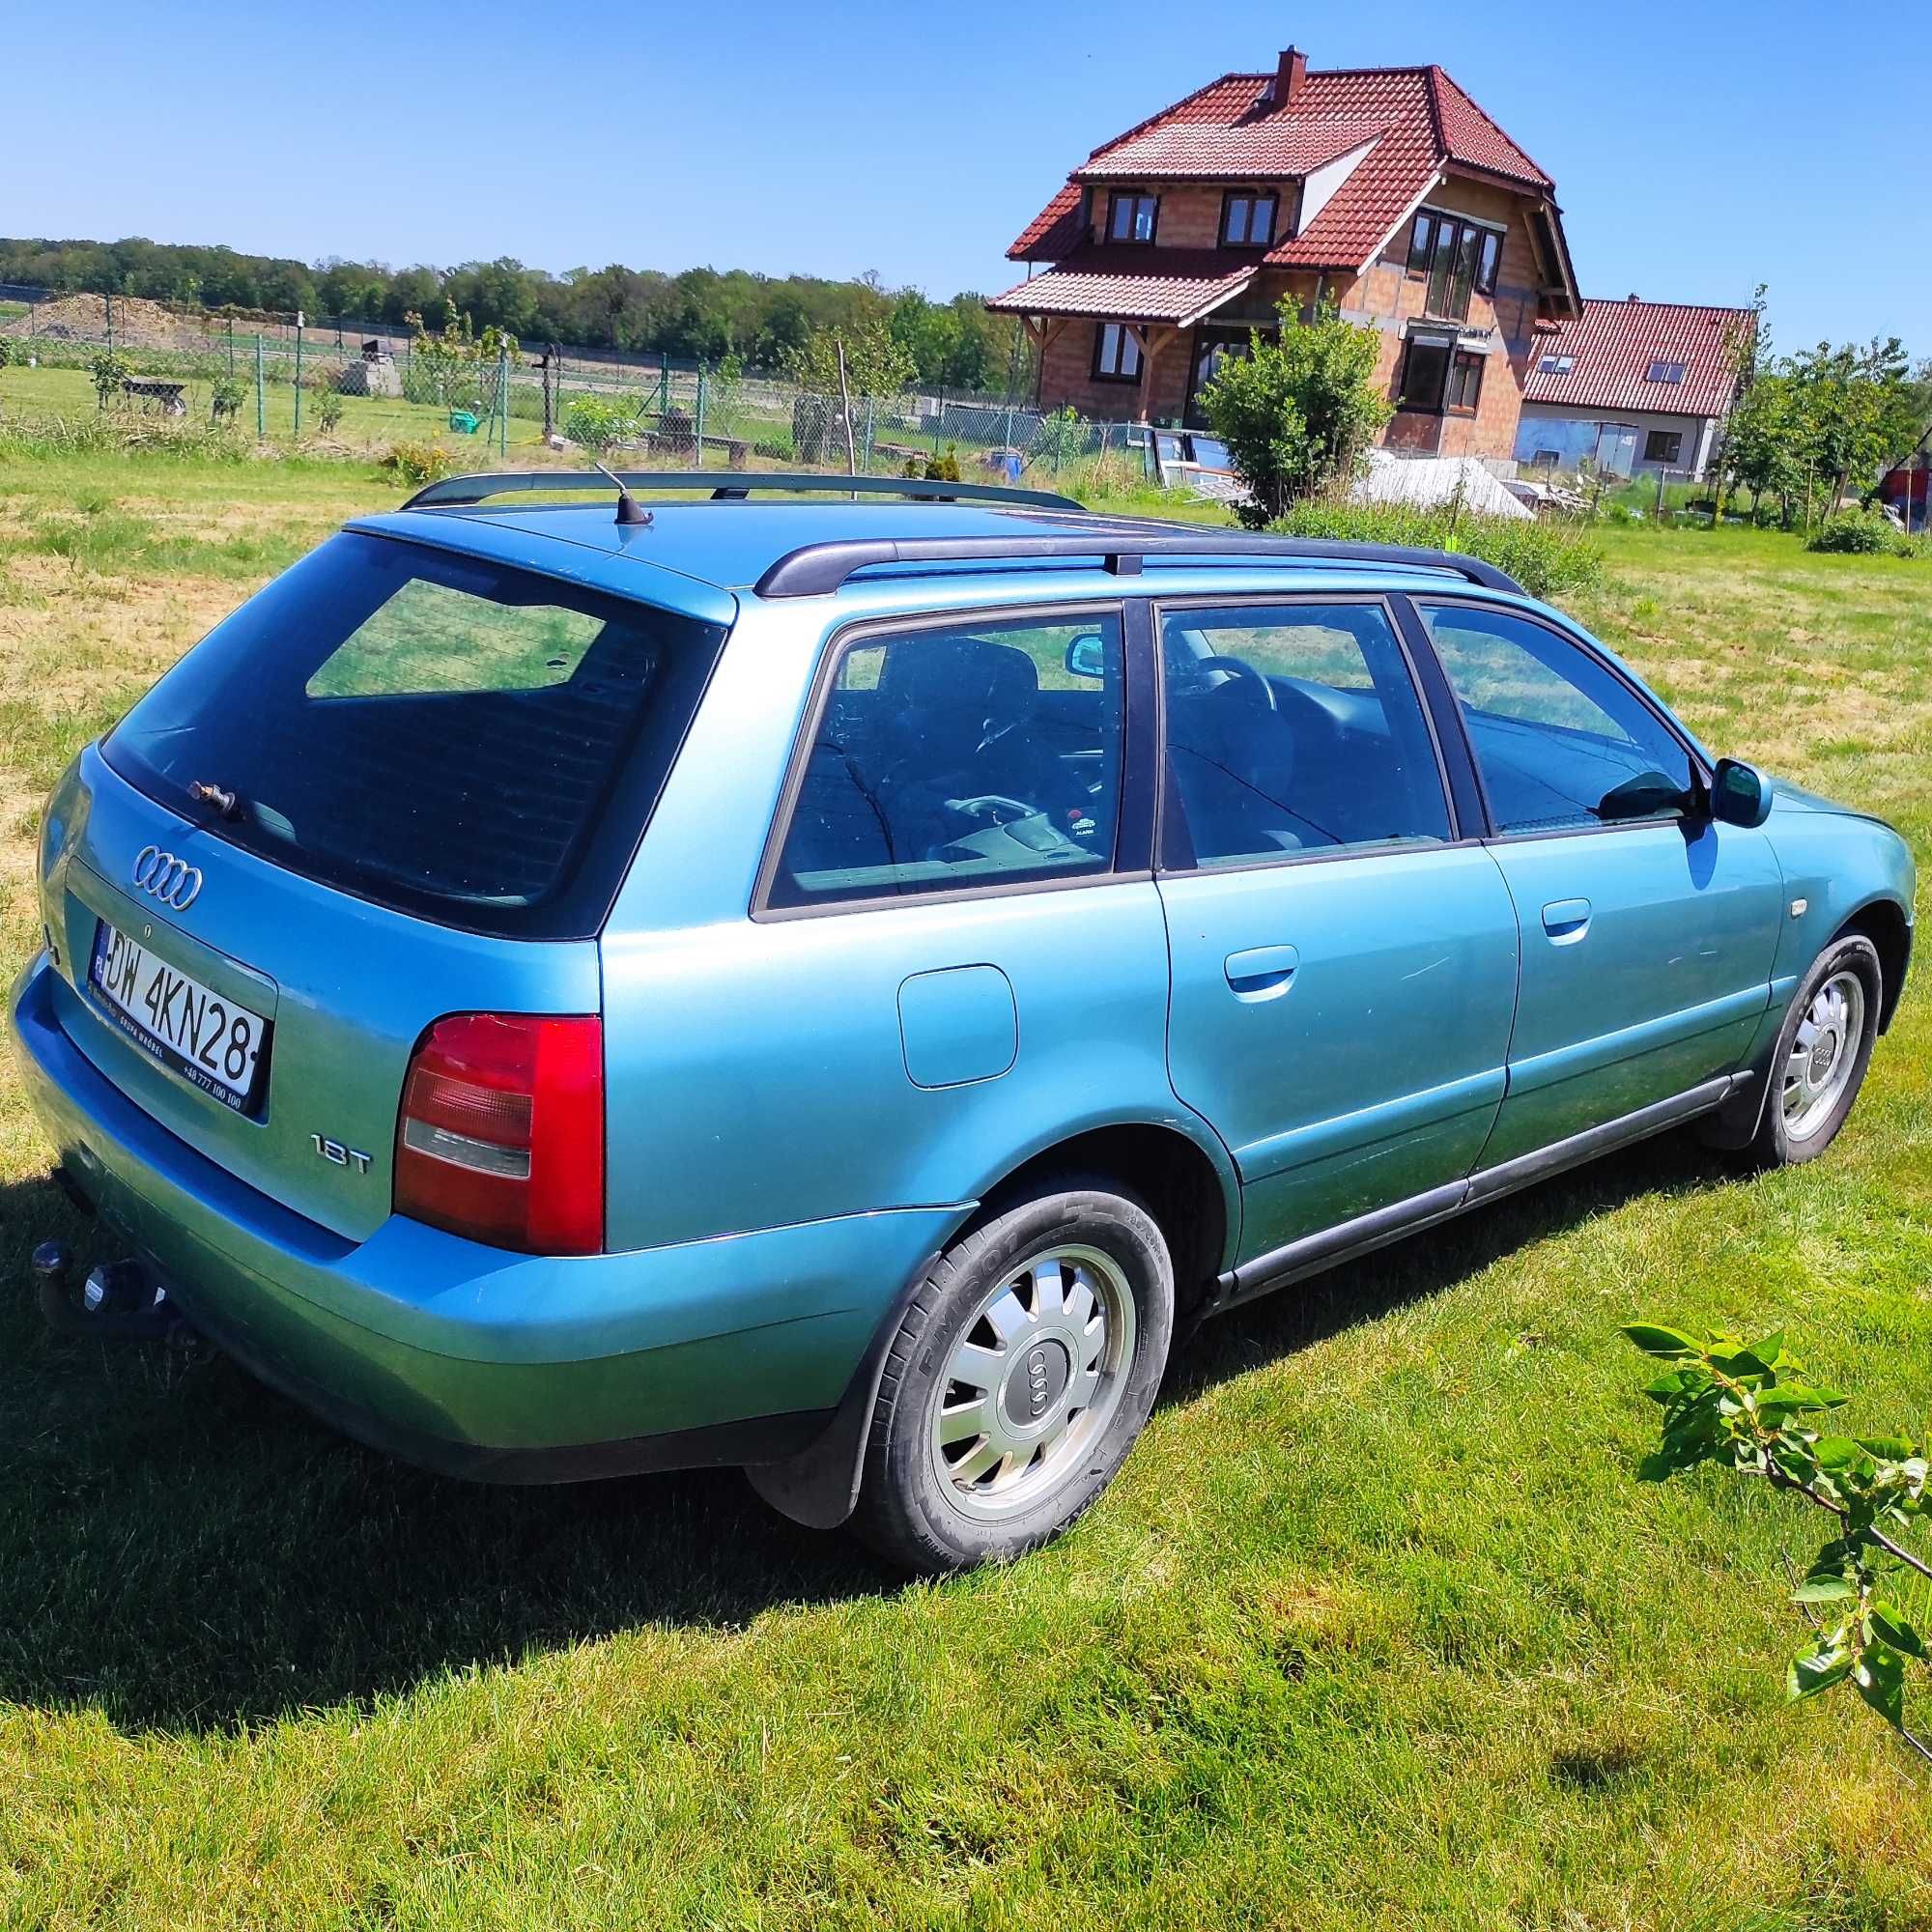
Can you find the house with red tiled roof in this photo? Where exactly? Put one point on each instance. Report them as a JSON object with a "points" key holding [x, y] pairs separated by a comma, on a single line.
{"points": [[1632, 385], [1384, 190]]}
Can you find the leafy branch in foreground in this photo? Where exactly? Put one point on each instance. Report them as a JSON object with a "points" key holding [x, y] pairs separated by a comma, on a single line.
{"points": [[1750, 1408]]}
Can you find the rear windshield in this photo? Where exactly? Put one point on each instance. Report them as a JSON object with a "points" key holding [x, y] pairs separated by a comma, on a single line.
{"points": [[441, 734]]}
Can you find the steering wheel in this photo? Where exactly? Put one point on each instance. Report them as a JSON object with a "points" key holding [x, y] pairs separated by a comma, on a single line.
{"points": [[1254, 687]]}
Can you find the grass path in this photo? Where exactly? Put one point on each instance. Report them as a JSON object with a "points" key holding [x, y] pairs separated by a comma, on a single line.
{"points": [[1376, 1629]]}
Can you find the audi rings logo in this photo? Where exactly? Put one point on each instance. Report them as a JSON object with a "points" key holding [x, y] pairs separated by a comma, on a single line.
{"points": [[164, 878]]}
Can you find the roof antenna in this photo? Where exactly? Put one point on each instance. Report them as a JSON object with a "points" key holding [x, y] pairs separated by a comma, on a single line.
{"points": [[629, 509]]}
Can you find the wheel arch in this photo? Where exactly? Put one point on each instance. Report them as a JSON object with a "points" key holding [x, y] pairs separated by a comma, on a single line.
{"points": [[1194, 1197], [1189, 1184], [1884, 922]]}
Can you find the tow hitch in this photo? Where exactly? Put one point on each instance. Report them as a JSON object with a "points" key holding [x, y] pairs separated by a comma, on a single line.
{"points": [[118, 1301]]}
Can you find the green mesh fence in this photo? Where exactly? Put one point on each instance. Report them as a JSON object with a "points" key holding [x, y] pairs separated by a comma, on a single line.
{"points": [[367, 388]]}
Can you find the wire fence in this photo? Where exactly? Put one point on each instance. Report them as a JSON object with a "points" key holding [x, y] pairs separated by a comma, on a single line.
{"points": [[293, 385]]}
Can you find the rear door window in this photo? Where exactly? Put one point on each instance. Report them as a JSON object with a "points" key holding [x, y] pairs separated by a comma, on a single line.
{"points": [[436, 733], [958, 756]]}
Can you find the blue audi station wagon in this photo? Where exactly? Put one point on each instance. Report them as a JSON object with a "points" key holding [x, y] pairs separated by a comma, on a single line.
{"points": [[839, 980]]}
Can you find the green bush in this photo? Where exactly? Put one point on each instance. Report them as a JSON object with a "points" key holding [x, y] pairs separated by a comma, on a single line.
{"points": [[1297, 413], [1546, 558], [417, 462], [596, 422], [109, 371], [1863, 534]]}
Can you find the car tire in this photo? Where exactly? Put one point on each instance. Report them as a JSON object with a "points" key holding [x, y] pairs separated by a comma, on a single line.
{"points": [[1023, 1370], [1823, 1049]]}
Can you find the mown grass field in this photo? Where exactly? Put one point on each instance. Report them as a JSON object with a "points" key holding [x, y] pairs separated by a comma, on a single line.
{"points": [[1377, 1628]]}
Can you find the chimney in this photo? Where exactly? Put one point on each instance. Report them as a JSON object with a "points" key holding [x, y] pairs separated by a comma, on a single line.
{"points": [[1290, 77]]}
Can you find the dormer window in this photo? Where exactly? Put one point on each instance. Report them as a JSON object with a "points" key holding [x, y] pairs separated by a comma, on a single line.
{"points": [[1666, 372], [1247, 218], [1132, 215]]}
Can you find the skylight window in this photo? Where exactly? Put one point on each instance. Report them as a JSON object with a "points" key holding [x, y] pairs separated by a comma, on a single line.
{"points": [[1666, 372], [1556, 365]]}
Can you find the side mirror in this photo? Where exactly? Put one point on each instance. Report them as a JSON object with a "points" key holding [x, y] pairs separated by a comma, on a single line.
{"points": [[1087, 656], [1739, 793]]}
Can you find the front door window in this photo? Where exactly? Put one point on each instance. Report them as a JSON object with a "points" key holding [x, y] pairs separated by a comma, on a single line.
{"points": [[1562, 741]]}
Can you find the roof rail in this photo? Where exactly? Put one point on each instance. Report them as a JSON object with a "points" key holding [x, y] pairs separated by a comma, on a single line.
{"points": [[726, 486], [814, 570]]}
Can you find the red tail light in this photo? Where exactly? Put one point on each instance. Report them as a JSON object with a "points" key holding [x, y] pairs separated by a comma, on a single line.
{"points": [[502, 1133]]}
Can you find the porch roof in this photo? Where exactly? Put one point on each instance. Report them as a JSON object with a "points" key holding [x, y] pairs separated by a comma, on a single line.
{"points": [[1182, 292]]}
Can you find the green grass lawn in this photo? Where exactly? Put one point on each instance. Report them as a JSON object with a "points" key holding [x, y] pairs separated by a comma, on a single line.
{"points": [[1377, 1628]]}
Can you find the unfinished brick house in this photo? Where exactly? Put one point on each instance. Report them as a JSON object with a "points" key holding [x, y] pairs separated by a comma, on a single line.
{"points": [[1385, 190]]}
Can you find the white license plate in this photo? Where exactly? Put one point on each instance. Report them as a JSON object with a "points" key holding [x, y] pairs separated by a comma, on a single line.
{"points": [[211, 1042]]}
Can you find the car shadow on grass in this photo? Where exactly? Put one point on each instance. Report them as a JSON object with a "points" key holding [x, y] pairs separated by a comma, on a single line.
{"points": [[183, 1549]]}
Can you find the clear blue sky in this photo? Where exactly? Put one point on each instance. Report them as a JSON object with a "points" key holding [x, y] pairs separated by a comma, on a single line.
{"points": [[1697, 149]]}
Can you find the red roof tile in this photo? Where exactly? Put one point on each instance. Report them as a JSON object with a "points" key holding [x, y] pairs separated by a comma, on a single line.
{"points": [[1614, 343], [1281, 145], [1426, 121], [1053, 233], [1125, 283]]}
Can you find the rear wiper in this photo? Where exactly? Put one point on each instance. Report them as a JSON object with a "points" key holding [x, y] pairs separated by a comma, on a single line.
{"points": [[225, 803]]}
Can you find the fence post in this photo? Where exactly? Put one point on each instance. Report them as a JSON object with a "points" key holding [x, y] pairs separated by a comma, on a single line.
{"points": [[869, 436], [231, 348], [503, 398], [260, 400], [698, 453], [664, 390], [107, 305], [299, 374]]}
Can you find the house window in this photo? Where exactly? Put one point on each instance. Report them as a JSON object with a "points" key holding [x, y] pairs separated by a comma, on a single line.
{"points": [[1556, 365], [1248, 220], [1663, 446], [1457, 256], [1438, 376], [1424, 371], [1132, 215], [1664, 372], [1116, 353]]}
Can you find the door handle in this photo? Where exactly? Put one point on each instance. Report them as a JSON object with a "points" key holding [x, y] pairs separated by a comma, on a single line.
{"points": [[1261, 972], [1565, 920]]}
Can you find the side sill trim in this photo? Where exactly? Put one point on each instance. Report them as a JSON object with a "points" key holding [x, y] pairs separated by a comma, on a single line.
{"points": [[1366, 1232]]}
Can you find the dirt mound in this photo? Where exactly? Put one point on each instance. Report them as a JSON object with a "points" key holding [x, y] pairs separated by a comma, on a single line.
{"points": [[137, 323]]}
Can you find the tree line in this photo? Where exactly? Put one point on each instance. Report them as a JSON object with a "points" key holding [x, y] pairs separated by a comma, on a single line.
{"points": [[705, 314]]}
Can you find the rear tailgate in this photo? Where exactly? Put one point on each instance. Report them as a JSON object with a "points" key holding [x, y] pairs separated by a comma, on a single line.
{"points": [[347, 990], [402, 782]]}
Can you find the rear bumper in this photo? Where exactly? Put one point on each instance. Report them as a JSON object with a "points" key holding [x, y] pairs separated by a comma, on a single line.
{"points": [[467, 1358]]}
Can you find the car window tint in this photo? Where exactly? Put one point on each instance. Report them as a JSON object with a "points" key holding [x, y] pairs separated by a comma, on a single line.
{"points": [[439, 733], [945, 757], [437, 636], [1296, 729], [1562, 741]]}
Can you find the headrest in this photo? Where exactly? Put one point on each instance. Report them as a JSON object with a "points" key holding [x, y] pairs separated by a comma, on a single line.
{"points": [[975, 675]]}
